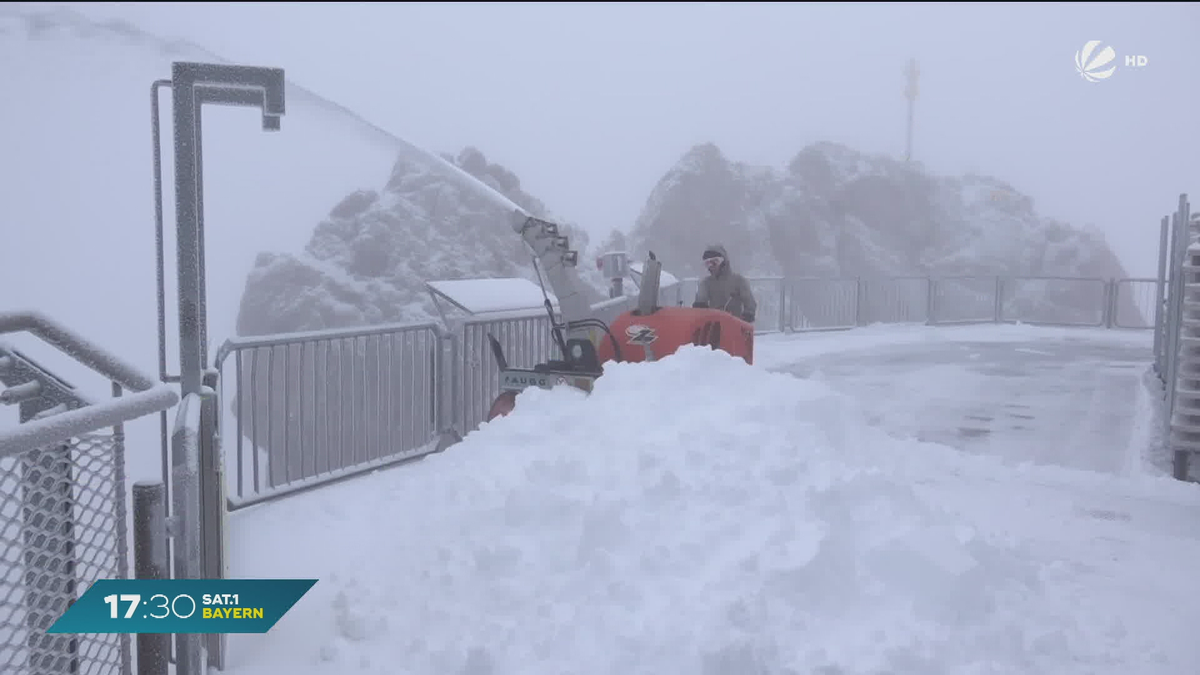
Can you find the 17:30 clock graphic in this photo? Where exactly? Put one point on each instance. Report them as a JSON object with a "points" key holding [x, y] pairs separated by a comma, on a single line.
{"points": [[169, 606], [182, 606]]}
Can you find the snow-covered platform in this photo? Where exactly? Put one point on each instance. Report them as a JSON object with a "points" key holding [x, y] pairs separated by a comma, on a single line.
{"points": [[1067, 397], [699, 515]]}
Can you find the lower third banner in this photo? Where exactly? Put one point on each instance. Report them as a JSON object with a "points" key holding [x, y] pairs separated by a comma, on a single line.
{"points": [[182, 606]]}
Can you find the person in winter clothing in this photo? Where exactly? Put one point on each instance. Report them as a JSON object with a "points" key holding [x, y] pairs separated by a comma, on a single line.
{"points": [[723, 288]]}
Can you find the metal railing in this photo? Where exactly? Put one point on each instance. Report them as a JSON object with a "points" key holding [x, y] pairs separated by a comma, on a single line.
{"points": [[1176, 352], [316, 407], [62, 500]]}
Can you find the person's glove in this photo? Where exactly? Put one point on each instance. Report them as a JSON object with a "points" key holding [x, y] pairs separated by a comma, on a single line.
{"points": [[748, 317]]}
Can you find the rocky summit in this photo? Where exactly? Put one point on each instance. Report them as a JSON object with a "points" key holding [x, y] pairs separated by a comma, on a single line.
{"points": [[367, 262]]}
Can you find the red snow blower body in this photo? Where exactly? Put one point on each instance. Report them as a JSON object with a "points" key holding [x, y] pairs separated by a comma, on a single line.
{"points": [[586, 343]]}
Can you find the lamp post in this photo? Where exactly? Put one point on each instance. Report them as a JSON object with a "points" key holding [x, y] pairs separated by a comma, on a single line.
{"points": [[198, 497]]}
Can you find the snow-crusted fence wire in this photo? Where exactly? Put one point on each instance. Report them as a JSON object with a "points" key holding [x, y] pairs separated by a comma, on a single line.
{"points": [[62, 499]]}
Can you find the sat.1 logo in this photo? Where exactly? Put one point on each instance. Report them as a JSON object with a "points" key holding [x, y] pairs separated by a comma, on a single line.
{"points": [[1094, 66]]}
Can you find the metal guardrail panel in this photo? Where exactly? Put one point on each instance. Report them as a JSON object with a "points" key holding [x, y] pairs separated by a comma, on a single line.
{"points": [[967, 299], [822, 304], [893, 300], [526, 342], [1058, 301], [320, 406], [1134, 303]]}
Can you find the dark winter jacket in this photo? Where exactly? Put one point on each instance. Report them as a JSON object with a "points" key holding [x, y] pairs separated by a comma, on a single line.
{"points": [[727, 290]]}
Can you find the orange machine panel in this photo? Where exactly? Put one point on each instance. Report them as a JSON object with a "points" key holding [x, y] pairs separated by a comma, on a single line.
{"points": [[656, 335]]}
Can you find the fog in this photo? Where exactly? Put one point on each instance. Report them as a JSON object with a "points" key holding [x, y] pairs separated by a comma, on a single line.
{"points": [[590, 103]]}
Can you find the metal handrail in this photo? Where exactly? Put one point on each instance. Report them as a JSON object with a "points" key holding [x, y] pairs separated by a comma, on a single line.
{"points": [[148, 396], [274, 339]]}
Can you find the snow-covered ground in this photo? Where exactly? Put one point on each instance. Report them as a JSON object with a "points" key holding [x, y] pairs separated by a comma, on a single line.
{"points": [[1066, 397], [699, 515]]}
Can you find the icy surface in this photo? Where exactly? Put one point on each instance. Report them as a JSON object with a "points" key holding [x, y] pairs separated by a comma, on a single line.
{"points": [[699, 515], [483, 296], [1069, 400]]}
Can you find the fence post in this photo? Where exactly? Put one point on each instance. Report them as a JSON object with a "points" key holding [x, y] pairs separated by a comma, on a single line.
{"points": [[212, 504], [1159, 297], [1110, 302], [858, 301], [150, 562], [1182, 441], [187, 521], [782, 304], [930, 294], [998, 310], [1174, 311]]}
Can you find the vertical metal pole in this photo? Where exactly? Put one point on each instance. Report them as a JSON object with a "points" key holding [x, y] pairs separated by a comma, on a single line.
{"points": [[187, 232], [150, 562], [155, 126], [189, 650], [119, 482], [858, 301], [190, 657], [1179, 238], [1182, 455], [1110, 302], [1174, 310], [1160, 297], [212, 506], [158, 232], [998, 310], [782, 305], [930, 294], [203, 284]]}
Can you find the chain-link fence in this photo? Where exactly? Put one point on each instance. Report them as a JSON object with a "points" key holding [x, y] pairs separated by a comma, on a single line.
{"points": [[62, 527], [62, 500]]}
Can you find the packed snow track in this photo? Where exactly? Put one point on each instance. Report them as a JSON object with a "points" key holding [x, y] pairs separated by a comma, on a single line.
{"points": [[820, 512]]}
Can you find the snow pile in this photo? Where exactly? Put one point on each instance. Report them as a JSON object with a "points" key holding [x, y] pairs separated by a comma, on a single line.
{"points": [[698, 515]]}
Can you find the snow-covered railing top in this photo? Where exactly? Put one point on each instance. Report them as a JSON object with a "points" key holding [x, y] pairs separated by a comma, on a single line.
{"points": [[147, 397], [488, 296], [488, 299]]}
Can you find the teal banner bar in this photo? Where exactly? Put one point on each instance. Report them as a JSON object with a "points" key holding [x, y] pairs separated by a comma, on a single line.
{"points": [[182, 606]]}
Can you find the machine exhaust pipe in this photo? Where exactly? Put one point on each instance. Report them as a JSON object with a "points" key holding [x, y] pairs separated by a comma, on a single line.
{"points": [[648, 293]]}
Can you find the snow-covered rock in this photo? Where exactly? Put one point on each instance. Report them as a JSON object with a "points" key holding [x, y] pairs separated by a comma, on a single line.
{"points": [[368, 261], [836, 212]]}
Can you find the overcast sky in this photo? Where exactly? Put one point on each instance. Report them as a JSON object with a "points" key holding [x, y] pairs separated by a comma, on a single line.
{"points": [[591, 103]]}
